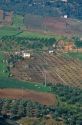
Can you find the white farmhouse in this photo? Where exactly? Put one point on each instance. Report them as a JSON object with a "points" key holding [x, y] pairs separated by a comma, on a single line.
{"points": [[26, 55], [51, 51], [54, 45], [65, 16], [64, 0]]}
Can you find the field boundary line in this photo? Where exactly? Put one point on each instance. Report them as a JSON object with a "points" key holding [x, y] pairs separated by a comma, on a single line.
{"points": [[60, 77]]}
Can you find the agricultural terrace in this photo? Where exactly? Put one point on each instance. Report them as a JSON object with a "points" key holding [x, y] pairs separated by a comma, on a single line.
{"points": [[26, 40], [69, 100], [16, 84], [54, 68], [34, 35], [37, 35], [21, 38], [3, 66], [31, 91]]}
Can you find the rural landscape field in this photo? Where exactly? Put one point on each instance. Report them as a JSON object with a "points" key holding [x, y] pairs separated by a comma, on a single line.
{"points": [[40, 62]]}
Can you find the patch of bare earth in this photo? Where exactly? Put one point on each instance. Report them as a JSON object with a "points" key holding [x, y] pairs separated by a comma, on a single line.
{"points": [[43, 98]]}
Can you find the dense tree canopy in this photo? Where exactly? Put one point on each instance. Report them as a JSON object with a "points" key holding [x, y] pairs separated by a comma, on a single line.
{"points": [[46, 7]]}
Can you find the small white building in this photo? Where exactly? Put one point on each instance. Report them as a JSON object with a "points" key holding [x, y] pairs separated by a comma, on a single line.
{"points": [[54, 45], [51, 51], [17, 53], [64, 0], [26, 55], [65, 16]]}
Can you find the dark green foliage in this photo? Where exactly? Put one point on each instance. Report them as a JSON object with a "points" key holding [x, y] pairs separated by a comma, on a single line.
{"points": [[77, 42], [14, 58], [70, 102], [26, 42], [22, 107], [55, 8], [68, 94]]}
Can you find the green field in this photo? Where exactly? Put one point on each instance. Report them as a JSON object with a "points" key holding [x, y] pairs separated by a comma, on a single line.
{"points": [[14, 31], [18, 22], [18, 26], [34, 35], [75, 55], [8, 31], [15, 84], [6, 82], [3, 67], [37, 35]]}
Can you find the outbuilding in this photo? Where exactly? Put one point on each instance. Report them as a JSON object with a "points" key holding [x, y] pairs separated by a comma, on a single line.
{"points": [[26, 55], [51, 51]]}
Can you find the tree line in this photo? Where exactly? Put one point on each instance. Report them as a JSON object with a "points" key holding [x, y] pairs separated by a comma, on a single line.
{"points": [[25, 43], [73, 8], [68, 107]]}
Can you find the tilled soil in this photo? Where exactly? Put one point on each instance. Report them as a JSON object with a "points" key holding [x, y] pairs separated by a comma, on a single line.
{"points": [[43, 98]]}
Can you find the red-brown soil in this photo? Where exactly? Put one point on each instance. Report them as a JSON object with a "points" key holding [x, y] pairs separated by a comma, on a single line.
{"points": [[43, 98]]}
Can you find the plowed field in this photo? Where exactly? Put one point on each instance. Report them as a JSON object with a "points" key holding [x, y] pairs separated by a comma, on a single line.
{"points": [[54, 68], [43, 98]]}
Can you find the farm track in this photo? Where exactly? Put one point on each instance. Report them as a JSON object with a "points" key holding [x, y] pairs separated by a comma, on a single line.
{"points": [[57, 69]]}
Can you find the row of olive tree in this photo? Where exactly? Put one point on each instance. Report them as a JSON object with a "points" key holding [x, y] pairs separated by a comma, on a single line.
{"points": [[25, 43]]}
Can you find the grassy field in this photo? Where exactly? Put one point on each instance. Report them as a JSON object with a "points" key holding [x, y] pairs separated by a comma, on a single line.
{"points": [[75, 55], [15, 28], [15, 31], [18, 22], [3, 67], [15, 84], [8, 31], [34, 35], [18, 26]]}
